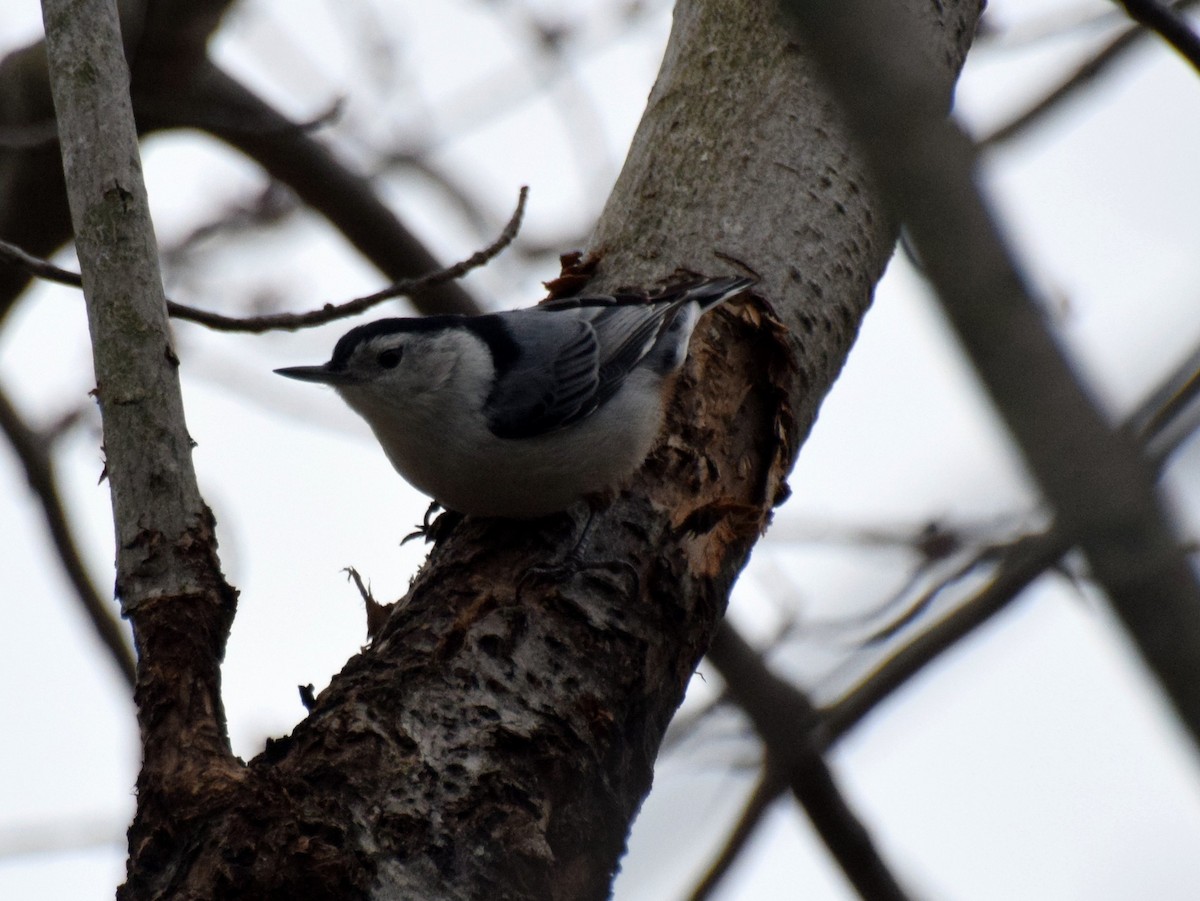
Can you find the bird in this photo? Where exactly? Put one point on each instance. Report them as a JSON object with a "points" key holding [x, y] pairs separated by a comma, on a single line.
{"points": [[521, 414]]}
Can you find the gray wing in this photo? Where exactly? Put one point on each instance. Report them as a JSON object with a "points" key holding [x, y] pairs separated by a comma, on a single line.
{"points": [[574, 358]]}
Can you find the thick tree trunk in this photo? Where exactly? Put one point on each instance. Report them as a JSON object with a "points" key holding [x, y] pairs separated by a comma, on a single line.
{"points": [[499, 734]]}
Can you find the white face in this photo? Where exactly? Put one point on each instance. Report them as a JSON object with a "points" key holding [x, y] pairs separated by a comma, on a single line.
{"points": [[422, 394], [381, 360], [417, 371], [404, 361]]}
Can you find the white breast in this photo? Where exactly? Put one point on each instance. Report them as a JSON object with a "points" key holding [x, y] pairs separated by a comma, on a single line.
{"points": [[447, 451]]}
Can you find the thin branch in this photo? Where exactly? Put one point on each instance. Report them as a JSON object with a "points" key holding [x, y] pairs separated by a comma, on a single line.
{"points": [[685, 725], [43, 269], [790, 728], [939, 546], [293, 321], [28, 136], [271, 204], [1025, 563], [230, 111], [1052, 24], [1169, 25], [925, 600], [36, 135], [39, 472], [1065, 89], [1025, 560], [1156, 422], [1170, 414], [331, 312], [424, 165], [35, 213], [1081, 77], [770, 786]]}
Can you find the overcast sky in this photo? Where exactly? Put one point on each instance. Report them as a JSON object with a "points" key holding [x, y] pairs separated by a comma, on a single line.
{"points": [[1035, 761]]}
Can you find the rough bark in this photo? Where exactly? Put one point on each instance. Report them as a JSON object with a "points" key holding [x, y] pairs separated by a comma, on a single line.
{"points": [[499, 734]]}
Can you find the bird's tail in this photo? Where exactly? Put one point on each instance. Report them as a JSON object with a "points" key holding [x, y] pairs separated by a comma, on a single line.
{"points": [[686, 304], [711, 292]]}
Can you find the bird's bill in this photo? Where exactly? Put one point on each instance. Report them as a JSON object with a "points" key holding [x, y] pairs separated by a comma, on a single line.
{"points": [[321, 374]]}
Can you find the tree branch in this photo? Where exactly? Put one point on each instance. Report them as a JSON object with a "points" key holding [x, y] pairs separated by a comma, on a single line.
{"points": [[1083, 76], [771, 784], [39, 472], [219, 104], [20, 259], [1160, 422], [166, 45], [1169, 24], [35, 212], [168, 578], [1025, 561], [1093, 476], [790, 728], [413, 287]]}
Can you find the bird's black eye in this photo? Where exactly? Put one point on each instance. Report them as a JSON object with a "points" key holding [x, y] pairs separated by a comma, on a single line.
{"points": [[390, 358]]}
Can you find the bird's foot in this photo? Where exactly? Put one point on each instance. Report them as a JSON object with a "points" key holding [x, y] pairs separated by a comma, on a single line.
{"points": [[434, 529]]}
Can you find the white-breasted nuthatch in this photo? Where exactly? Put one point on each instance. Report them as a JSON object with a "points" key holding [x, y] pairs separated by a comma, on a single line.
{"points": [[520, 414]]}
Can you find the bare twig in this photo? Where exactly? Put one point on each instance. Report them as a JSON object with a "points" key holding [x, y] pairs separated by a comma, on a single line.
{"points": [[34, 214], [230, 111], [1051, 24], [1081, 77], [1169, 25], [1155, 422], [685, 724], [331, 312], [916, 607], [424, 165], [939, 547], [790, 728], [29, 136], [37, 266], [1025, 562], [34, 135], [39, 472], [1168, 415], [293, 321], [271, 204]]}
